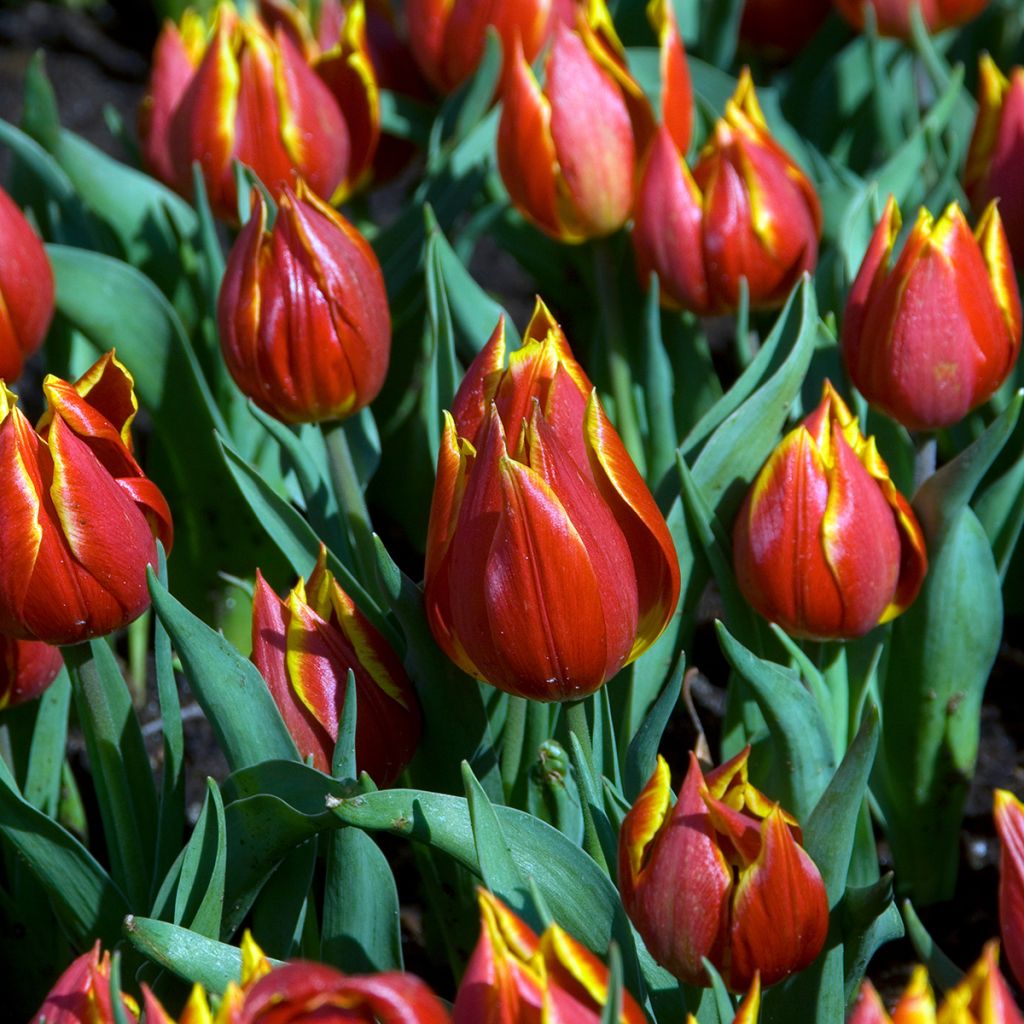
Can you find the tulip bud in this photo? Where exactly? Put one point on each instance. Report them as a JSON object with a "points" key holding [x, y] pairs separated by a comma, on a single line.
{"points": [[567, 153], [915, 1006], [721, 876], [747, 211], [250, 96], [79, 515], [82, 994], [824, 544], [26, 290], [932, 337], [676, 87], [304, 648], [997, 150], [515, 976], [983, 997], [303, 313], [782, 27], [893, 16], [27, 668], [549, 566], [1009, 817]]}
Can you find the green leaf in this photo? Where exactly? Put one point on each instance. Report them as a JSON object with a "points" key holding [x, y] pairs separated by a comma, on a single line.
{"points": [[943, 972], [611, 1012], [805, 761], [120, 766], [343, 761], [86, 900], [199, 900], [189, 955], [284, 904], [230, 690], [658, 390], [49, 743], [642, 754], [869, 919]]}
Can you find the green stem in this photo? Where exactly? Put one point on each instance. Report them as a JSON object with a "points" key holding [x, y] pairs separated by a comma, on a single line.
{"points": [[512, 743], [576, 717], [351, 503], [619, 369]]}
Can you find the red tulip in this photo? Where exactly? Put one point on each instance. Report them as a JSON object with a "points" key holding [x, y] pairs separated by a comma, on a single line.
{"points": [[1009, 817], [782, 27], [82, 994], [567, 153], [893, 16], [746, 212], [676, 87], [304, 648], [27, 667], [997, 150], [916, 1005], [516, 977], [931, 337], [26, 290], [720, 876], [250, 96], [549, 566], [303, 314], [79, 515], [824, 544]]}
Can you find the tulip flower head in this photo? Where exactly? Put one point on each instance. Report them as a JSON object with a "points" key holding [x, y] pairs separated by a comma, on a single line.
{"points": [[27, 667], [81, 995], [1008, 812], [303, 313], [983, 997], [79, 515], [933, 335], [824, 544], [916, 1004], [997, 150], [549, 566], [239, 92], [720, 876], [304, 648], [567, 153], [676, 86], [782, 27], [893, 16], [747, 211], [514, 975], [26, 290]]}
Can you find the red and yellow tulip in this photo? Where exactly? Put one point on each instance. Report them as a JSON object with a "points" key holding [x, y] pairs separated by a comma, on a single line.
{"points": [[933, 335], [916, 1005], [568, 152], [304, 648], [79, 514], [893, 16], [27, 667], [82, 995], [549, 566], [517, 977], [303, 313], [824, 544], [997, 150], [1008, 812], [721, 876], [26, 290], [747, 211]]}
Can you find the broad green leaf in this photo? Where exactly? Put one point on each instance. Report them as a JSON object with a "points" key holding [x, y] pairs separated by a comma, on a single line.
{"points": [[199, 900], [49, 744], [642, 754], [869, 919], [284, 904]]}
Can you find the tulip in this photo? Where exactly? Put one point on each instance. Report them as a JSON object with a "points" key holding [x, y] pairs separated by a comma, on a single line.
{"points": [[824, 544], [997, 150], [26, 290], [515, 977], [1009, 817], [27, 668], [720, 876], [241, 94], [82, 994], [676, 87], [304, 648], [893, 16], [782, 27], [747, 211], [549, 566], [567, 153], [79, 515], [983, 997], [303, 313], [749, 1010], [931, 337], [916, 1005]]}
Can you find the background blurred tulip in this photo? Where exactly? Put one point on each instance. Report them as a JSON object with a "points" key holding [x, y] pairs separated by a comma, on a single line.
{"points": [[824, 544], [747, 211], [893, 16], [931, 337], [997, 150], [983, 997], [674, 74], [304, 648], [720, 876], [549, 566], [1009, 817], [79, 515], [26, 290], [27, 667], [782, 27], [303, 313], [916, 1004], [251, 97]]}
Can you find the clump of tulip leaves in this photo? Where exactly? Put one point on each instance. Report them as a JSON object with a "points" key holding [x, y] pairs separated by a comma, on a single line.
{"points": [[873, 738]]}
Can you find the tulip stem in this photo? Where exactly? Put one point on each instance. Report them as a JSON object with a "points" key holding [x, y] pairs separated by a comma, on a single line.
{"points": [[349, 494], [576, 716], [512, 743], [619, 369]]}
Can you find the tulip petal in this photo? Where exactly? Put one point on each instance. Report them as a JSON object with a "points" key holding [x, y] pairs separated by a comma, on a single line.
{"points": [[1009, 818], [869, 1008], [473, 400]]}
